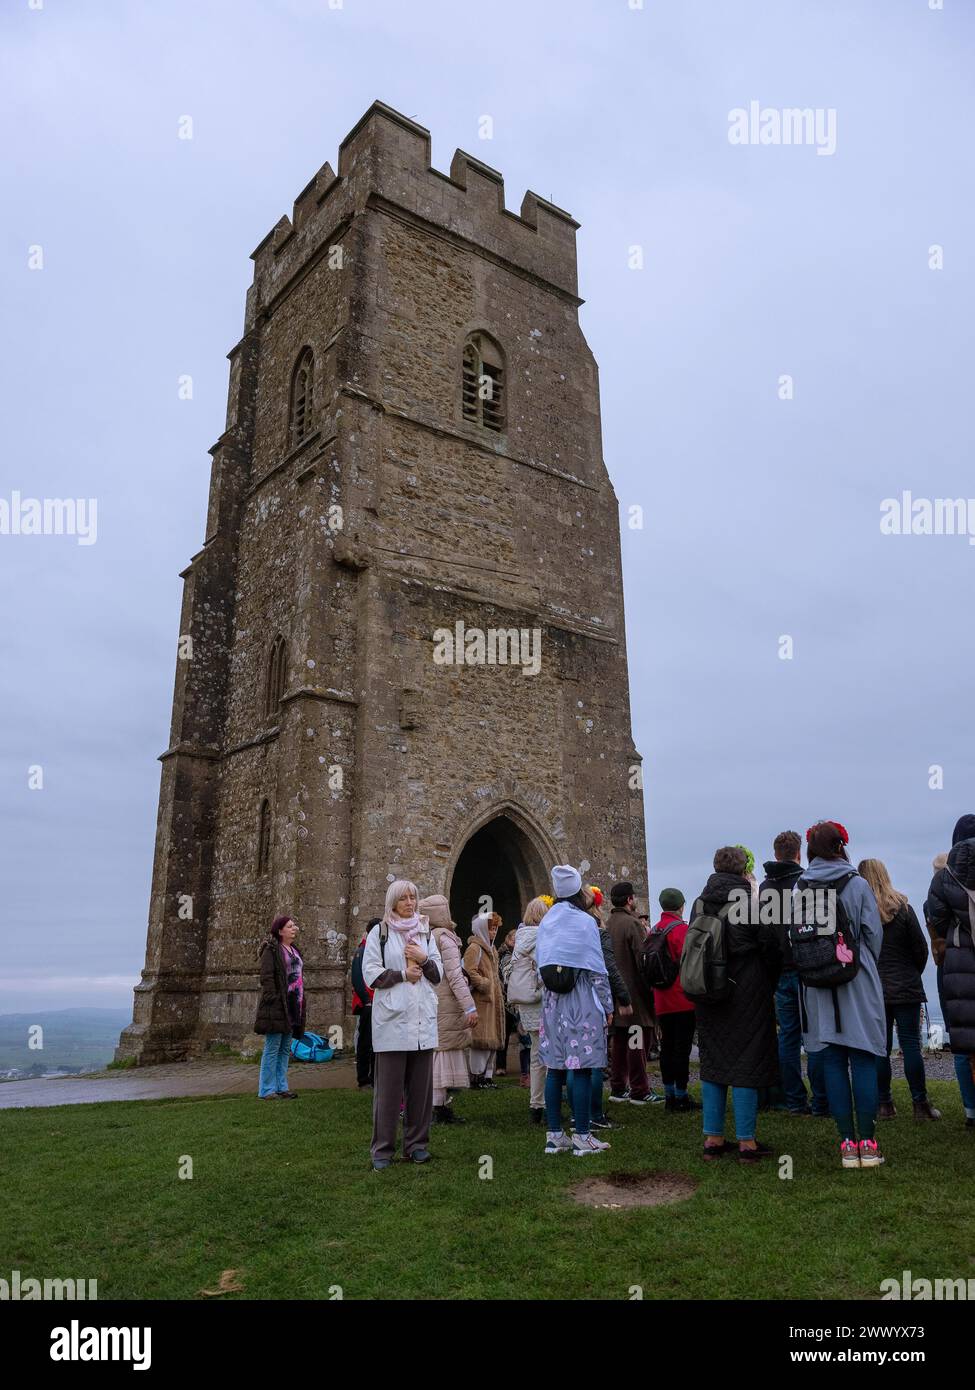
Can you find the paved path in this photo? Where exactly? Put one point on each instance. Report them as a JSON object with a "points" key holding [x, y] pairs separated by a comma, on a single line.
{"points": [[206, 1078], [220, 1077]]}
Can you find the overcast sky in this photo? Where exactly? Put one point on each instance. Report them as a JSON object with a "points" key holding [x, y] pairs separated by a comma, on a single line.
{"points": [[761, 514]]}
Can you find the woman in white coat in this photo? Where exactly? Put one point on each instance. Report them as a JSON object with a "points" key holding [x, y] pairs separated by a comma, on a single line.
{"points": [[402, 965]]}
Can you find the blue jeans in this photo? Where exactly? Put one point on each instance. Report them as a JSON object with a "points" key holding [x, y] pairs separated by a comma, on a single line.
{"points": [[596, 1101], [966, 1083], [274, 1064], [908, 1020], [744, 1100], [580, 1098], [790, 1050], [839, 1065]]}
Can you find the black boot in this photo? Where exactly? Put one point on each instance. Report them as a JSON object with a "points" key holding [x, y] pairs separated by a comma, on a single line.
{"points": [[537, 1116], [924, 1110]]}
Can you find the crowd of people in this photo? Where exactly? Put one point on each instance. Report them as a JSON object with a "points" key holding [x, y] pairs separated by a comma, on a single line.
{"points": [[825, 959]]}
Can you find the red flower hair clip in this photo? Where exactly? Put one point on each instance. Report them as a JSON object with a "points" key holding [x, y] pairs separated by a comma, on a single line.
{"points": [[843, 833]]}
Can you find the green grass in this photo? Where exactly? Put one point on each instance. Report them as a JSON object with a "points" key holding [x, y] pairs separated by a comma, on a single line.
{"points": [[283, 1193]]}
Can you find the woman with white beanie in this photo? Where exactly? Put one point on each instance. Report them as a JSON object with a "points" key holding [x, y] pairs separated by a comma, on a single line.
{"points": [[577, 1008]]}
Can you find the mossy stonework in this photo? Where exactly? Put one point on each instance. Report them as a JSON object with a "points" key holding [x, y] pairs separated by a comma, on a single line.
{"points": [[440, 576]]}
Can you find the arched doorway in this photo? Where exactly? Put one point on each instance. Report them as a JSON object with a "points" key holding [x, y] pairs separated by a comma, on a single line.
{"points": [[500, 861]]}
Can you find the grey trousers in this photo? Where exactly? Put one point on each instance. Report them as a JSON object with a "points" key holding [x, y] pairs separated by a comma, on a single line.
{"points": [[406, 1077]]}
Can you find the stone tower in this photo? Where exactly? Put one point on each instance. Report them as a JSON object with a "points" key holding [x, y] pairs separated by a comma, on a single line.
{"points": [[402, 650]]}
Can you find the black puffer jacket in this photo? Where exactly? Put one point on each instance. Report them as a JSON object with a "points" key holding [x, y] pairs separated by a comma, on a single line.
{"points": [[779, 882], [272, 1007], [737, 1038], [947, 915], [903, 956]]}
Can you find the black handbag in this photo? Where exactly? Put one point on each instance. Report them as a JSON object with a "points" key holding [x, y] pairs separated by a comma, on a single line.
{"points": [[560, 979]]}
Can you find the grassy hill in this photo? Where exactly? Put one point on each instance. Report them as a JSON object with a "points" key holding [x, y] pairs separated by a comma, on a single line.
{"points": [[71, 1038], [283, 1194]]}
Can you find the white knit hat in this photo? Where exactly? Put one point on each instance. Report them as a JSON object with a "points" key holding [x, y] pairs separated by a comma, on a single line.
{"points": [[566, 881]]}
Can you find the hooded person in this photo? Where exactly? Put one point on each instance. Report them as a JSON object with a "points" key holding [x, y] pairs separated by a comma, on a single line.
{"points": [[481, 969], [577, 1007], [401, 964], [950, 913], [456, 1013]]}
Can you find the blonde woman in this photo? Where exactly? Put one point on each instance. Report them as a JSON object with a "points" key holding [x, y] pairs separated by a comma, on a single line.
{"points": [[525, 994], [903, 956], [402, 966]]}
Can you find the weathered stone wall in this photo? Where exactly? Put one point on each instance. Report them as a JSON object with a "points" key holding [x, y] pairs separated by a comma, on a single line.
{"points": [[381, 762]]}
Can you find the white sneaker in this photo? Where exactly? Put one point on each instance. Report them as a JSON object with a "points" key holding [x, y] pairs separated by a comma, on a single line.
{"points": [[557, 1143], [587, 1144]]}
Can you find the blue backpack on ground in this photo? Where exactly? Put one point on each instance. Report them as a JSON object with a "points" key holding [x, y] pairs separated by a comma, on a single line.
{"points": [[310, 1047]]}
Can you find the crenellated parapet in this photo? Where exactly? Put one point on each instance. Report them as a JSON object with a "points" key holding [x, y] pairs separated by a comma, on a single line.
{"points": [[384, 162]]}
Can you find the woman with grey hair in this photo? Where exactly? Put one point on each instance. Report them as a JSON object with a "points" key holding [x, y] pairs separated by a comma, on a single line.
{"points": [[402, 966]]}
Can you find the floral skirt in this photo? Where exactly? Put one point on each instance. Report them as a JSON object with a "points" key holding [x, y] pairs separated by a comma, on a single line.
{"points": [[572, 1029]]}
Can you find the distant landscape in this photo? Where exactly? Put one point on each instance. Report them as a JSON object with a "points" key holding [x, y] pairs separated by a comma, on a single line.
{"points": [[72, 1040]]}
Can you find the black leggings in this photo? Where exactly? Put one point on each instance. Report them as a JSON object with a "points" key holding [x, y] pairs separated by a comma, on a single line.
{"points": [[677, 1037]]}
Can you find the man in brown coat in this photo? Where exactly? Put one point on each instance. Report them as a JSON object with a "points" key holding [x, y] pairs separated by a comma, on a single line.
{"points": [[627, 1050]]}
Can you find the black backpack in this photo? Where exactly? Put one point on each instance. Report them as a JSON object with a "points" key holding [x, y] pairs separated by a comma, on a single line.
{"points": [[657, 966], [358, 979], [825, 948]]}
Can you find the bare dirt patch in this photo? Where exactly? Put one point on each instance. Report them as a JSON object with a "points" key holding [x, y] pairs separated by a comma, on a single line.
{"points": [[620, 1191]]}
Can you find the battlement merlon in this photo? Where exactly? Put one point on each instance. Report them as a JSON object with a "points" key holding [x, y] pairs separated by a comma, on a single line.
{"points": [[385, 161]]}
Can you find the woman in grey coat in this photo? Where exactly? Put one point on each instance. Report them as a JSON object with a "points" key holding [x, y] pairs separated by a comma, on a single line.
{"points": [[848, 1024]]}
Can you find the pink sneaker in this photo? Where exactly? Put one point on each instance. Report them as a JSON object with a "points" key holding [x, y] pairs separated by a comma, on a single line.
{"points": [[870, 1155], [850, 1154]]}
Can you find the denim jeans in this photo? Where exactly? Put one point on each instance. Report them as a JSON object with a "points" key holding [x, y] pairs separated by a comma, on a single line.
{"points": [[839, 1065], [274, 1064], [966, 1083], [908, 1020], [580, 1096], [744, 1100], [790, 1049], [817, 1080], [596, 1100]]}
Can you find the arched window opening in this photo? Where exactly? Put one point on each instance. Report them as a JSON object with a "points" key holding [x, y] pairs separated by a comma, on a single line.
{"points": [[277, 671], [302, 391], [482, 390], [264, 839]]}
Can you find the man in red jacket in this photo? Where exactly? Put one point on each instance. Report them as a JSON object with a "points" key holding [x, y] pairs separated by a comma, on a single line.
{"points": [[675, 1012]]}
